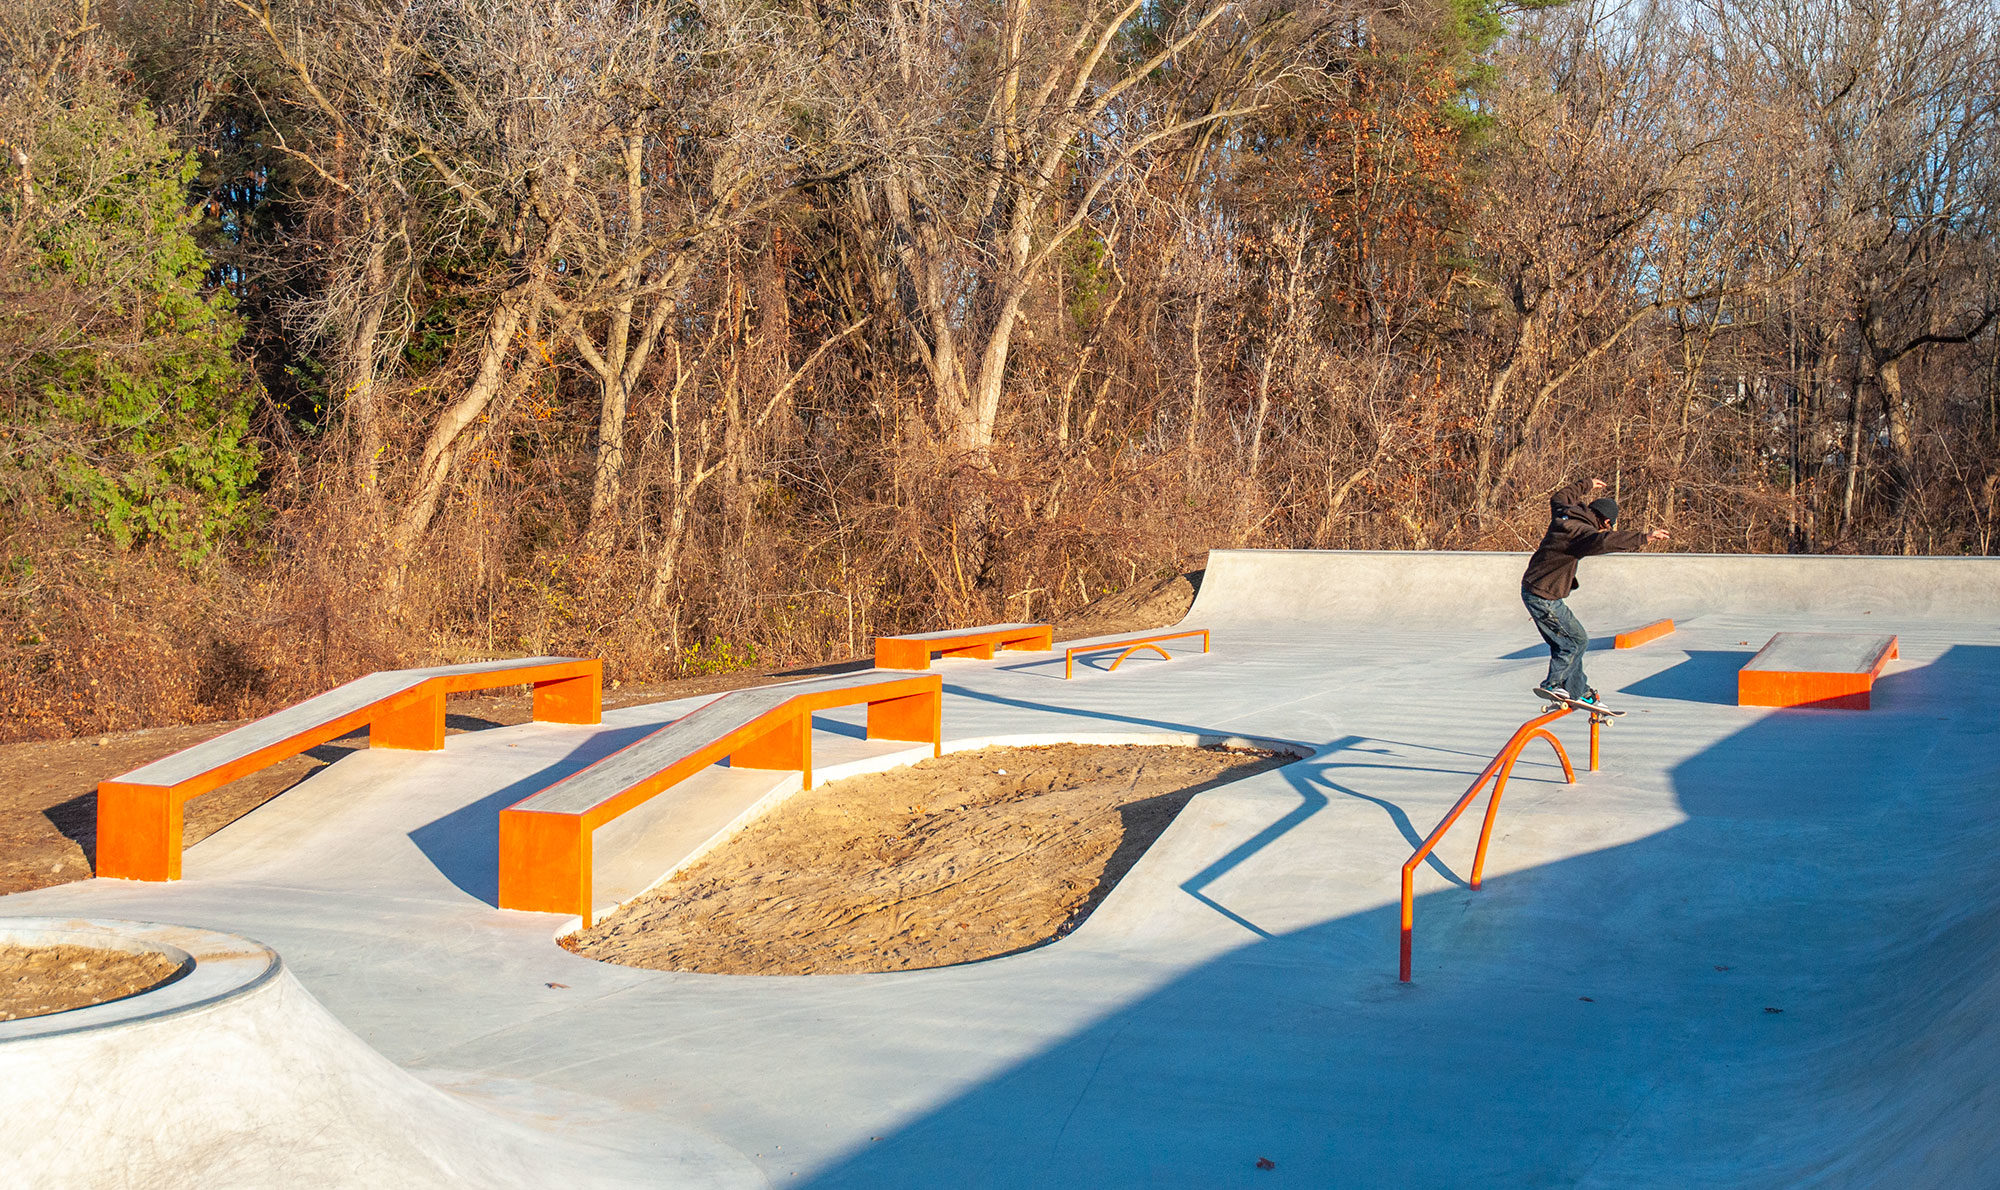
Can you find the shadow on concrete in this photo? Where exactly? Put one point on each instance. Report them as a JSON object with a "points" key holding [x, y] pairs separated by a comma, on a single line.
{"points": [[1108, 718], [1792, 985], [1708, 675], [465, 844], [76, 819], [1540, 649]]}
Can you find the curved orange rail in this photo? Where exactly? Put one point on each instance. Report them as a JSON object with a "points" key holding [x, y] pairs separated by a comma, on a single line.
{"points": [[1495, 771]]}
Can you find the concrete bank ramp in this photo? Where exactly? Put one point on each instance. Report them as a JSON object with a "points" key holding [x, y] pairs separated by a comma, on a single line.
{"points": [[234, 1075], [1462, 589]]}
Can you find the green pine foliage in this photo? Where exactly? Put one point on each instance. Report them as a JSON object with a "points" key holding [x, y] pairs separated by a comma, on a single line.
{"points": [[126, 402]]}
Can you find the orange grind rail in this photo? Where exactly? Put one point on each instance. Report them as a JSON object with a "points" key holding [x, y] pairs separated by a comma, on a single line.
{"points": [[1639, 636], [1496, 771], [140, 822], [1130, 645]]}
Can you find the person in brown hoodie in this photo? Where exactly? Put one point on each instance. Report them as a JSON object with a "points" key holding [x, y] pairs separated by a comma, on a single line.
{"points": [[1576, 531]]}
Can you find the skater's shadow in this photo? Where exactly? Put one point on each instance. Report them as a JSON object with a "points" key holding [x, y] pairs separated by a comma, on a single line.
{"points": [[1706, 676]]}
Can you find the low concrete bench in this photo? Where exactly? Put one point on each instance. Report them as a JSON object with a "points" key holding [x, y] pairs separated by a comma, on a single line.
{"points": [[914, 650], [139, 815], [545, 839], [1130, 645], [1638, 636], [1814, 669]]}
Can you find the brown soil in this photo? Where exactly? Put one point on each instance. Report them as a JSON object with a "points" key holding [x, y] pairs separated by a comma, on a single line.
{"points": [[38, 980], [971, 856], [48, 788]]}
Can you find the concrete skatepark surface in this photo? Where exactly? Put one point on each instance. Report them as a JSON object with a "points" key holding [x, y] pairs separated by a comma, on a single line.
{"points": [[1757, 949]]}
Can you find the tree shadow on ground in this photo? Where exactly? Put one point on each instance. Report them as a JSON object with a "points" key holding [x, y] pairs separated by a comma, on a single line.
{"points": [[1723, 1001]]}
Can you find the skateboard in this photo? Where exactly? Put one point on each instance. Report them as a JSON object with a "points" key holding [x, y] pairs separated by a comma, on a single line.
{"points": [[1597, 710]]}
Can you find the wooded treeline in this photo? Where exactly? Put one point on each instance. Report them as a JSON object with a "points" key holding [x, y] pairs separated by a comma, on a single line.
{"points": [[699, 334]]}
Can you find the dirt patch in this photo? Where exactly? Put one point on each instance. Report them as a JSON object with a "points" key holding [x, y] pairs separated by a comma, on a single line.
{"points": [[971, 856], [38, 980], [1135, 609]]}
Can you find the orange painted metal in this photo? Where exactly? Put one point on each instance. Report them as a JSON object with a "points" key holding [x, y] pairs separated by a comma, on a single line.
{"points": [[1784, 688], [909, 652], [579, 699], [415, 722], [1596, 722], [143, 839], [1496, 771], [534, 877], [1639, 636], [139, 826], [1131, 645], [787, 744]]}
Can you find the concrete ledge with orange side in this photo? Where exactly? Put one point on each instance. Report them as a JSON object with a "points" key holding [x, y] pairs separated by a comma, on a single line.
{"points": [[913, 650], [139, 815], [1635, 637], [1129, 645], [545, 839], [1814, 669]]}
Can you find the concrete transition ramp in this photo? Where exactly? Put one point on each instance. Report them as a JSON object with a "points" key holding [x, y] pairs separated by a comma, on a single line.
{"points": [[232, 1074], [1354, 587]]}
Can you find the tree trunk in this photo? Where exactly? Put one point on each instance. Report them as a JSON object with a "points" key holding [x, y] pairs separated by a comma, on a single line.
{"points": [[440, 446]]}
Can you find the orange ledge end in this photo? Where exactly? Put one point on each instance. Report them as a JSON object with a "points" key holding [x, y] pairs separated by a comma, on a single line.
{"points": [[1639, 636]]}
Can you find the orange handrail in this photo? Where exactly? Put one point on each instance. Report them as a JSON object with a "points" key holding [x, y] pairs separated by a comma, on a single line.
{"points": [[1496, 771]]}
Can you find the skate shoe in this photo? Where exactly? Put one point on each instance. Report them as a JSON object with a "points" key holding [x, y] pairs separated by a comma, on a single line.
{"points": [[1553, 693]]}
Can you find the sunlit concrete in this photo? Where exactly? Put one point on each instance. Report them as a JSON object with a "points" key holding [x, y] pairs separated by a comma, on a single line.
{"points": [[1600, 1013]]}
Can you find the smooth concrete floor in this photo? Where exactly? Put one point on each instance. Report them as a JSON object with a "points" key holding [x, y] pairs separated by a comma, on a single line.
{"points": [[1758, 948]]}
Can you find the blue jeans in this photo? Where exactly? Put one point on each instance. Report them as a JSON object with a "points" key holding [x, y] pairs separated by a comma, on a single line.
{"points": [[1567, 642]]}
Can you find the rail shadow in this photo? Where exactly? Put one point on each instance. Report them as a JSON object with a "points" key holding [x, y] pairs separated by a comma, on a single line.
{"points": [[1708, 675], [464, 845]]}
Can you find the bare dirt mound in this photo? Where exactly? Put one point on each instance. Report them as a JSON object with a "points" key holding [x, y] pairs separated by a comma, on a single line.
{"points": [[970, 856], [38, 980]]}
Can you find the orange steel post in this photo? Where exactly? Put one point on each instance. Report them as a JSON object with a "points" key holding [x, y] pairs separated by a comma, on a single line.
{"points": [[1496, 768], [571, 700], [545, 863], [138, 832], [787, 745], [416, 724], [915, 717], [1596, 722], [1500, 783]]}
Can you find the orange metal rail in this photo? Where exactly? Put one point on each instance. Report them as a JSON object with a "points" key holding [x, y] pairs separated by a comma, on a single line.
{"points": [[1496, 771], [1130, 645]]}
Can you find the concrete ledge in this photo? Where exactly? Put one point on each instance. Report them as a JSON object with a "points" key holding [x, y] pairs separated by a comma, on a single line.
{"points": [[1814, 669], [1639, 636]]}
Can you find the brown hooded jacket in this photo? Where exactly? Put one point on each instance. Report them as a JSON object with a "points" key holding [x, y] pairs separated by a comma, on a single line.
{"points": [[1574, 533]]}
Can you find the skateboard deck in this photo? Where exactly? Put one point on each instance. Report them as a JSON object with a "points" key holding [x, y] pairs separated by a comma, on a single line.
{"points": [[1596, 709]]}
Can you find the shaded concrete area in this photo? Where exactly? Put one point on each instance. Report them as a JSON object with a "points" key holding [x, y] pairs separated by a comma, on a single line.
{"points": [[1600, 1013]]}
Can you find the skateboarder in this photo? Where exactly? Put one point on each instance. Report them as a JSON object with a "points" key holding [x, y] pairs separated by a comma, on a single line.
{"points": [[1576, 530]]}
